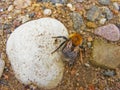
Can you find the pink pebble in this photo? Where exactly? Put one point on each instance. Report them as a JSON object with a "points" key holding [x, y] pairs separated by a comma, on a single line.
{"points": [[109, 32]]}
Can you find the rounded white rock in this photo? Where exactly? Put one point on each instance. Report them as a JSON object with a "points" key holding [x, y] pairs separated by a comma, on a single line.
{"points": [[29, 50]]}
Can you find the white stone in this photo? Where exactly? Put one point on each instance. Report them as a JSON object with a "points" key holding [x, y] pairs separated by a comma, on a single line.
{"points": [[29, 50], [116, 6], [58, 4], [71, 7], [47, 12], [10, 8], [102, 21], [2, 65]]}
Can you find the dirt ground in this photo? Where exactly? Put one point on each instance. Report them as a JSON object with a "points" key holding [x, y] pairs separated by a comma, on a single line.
{"points": [[81, 76]]}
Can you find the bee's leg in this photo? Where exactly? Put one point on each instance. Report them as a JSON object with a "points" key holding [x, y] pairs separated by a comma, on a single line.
{"points": [[81, 56], [58, 47], [60, 37]]}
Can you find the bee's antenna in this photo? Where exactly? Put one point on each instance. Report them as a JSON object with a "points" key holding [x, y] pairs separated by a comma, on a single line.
{"points": [[58, 47], [61, 37]]}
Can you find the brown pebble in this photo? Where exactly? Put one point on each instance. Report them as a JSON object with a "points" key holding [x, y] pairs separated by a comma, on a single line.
{"points": [[91, 25], [116, 12], [90, 39]]}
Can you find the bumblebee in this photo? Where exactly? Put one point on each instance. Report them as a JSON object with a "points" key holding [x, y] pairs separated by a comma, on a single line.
{"points": [[71, 48]]}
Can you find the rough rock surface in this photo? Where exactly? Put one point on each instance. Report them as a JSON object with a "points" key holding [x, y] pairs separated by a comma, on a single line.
{"points": [[29, 50], [105, 54], [109, 32]]}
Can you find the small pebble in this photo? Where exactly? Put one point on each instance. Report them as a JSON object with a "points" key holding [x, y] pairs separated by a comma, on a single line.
{"points": [[77, 21], [8, 31], [109, 32], [79, 7], [1, 9], [55, 1], [38, 0], [6, 26], [25, 18], [19, 4], [102, 21], [104, 2], [71, 7], [4, 82], [89, 44], [31, 15], [2, 65], [87, 65], [90, 39], [16, 23], [58, 4], [107, 13], [9, 17], [116, 6], [109, 73], [79, 1], [91, 25], [6, 69], [93, 13], [32, 87], [115, 12], [10, 8], [17, 11], [47, 12]]}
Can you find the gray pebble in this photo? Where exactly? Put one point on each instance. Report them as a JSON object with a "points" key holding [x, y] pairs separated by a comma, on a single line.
{"points": [[107, 13], [4, 82], [1, 9], [109, 73], [79, 1], [6, 26], [77, 20], [38, 0], [104, 2], [93, 13], [31, 15]]}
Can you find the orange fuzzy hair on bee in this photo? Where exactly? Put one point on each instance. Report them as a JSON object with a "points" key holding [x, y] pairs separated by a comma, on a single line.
{"points": [[76, 39]]}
